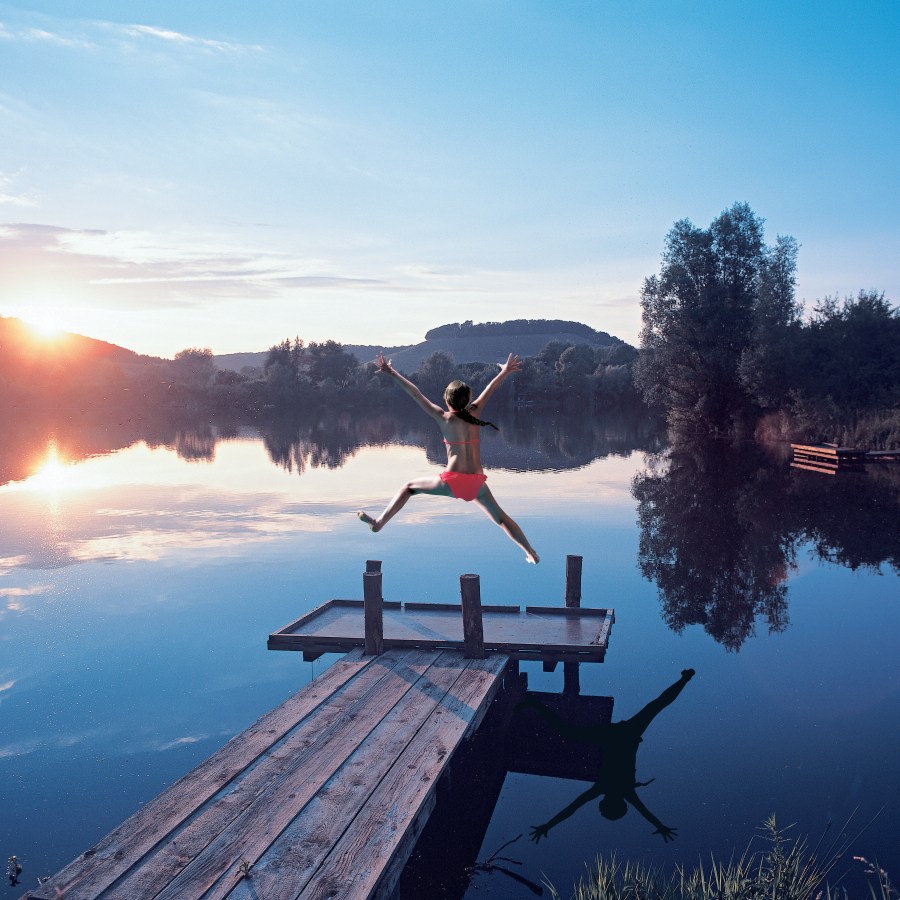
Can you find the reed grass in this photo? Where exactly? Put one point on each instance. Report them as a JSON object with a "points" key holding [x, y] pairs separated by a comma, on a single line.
{"points": [[782, 868]]}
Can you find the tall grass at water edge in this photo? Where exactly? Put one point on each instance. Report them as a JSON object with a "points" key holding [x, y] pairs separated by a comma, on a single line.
{"points": [[783, 869]]}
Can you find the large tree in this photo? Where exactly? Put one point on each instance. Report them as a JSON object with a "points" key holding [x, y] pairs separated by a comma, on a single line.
{"points": [[720, 294]]}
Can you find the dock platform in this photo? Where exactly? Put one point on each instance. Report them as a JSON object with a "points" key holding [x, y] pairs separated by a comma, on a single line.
{"points": [[324, 797], [535, 632]]}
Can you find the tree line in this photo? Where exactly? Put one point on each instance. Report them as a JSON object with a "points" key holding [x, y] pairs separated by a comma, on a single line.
{"points": [[296, 375], [725, 345]]}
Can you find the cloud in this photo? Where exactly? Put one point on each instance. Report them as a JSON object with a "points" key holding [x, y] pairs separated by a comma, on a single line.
{"points": [[178, 38], [138, 271], [94, 35], [13, 199]]}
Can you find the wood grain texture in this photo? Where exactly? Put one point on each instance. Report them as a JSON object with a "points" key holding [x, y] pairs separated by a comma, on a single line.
{"points": [[248, 835], [181, 848], [112, 856], [368, 858], [292, 861]]}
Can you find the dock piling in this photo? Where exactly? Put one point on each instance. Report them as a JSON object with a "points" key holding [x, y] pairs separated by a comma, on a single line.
{"points": [[573, 581], [571, 679], [373, 605], [473, 627]]}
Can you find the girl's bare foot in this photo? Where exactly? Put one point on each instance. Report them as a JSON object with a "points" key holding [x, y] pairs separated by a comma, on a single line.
{"points": [[365, 517], [532, 557]]}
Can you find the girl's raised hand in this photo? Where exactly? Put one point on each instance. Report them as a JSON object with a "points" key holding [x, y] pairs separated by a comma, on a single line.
{"points": [[384, 365], [513, 364]]}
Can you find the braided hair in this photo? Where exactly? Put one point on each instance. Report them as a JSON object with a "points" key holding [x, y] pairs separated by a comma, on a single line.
{"points": [[457, 396]]}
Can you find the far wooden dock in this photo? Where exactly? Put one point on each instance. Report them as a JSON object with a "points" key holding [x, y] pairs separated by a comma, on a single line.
{"points": [[326, 795], [830, 459]]}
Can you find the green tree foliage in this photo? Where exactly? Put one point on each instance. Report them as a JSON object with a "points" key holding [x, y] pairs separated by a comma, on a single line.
{"points": [[850, 353], [435, 372], [329, 361], [719, 294], [193, 368]]}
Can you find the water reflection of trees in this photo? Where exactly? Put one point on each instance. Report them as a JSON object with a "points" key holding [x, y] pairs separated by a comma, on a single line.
{"points": [[527, 440], [721, 528], [24, 444]]}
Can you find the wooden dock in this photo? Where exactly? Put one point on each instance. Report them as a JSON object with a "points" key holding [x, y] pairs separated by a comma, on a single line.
{"points": [[831, 459], [323, 797], [326, 795], [828, 459]]}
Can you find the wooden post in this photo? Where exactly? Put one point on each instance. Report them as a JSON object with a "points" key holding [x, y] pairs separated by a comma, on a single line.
{"points": [[571, 679], [473, 627], [373, 565], [372, 614], [573, 581]]}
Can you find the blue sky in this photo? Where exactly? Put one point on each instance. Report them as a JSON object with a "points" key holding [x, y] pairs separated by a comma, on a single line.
{"points": [[211, 174]]}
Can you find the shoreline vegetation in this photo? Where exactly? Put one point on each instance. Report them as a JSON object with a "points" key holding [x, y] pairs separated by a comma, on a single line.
{"points": [[726, 352], [784, 868]]}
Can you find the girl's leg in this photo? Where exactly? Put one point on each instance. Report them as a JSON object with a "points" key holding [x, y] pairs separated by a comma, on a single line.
{"points": [[486, 501], [430, 485]]}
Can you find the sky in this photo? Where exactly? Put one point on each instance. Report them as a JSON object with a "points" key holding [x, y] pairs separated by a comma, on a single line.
{"points": [[225, 175]]}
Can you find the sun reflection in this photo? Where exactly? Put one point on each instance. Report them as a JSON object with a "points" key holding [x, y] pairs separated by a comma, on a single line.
{"points": [[54, 474]]}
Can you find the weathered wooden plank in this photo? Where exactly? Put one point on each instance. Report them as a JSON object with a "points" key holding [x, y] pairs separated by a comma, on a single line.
{"points": [[249, 834], [285, 869], [329, 722], [370, 855], [821, 469], [99, 866], [564, 612], [413, 605], [826, 449]]}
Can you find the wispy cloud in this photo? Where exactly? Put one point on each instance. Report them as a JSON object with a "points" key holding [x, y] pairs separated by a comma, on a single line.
{"points": [[13, 199], [178, 38], [94, 35], [135, 270]]}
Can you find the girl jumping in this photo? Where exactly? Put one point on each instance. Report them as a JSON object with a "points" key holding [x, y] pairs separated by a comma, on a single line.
{"points": [[463, 478]]}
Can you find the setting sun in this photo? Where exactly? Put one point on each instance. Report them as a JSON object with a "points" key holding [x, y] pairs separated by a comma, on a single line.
{"points": [[46, 323]]}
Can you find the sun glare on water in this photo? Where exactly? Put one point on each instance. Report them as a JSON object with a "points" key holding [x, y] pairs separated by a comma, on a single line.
{"points": [[54, 474]]}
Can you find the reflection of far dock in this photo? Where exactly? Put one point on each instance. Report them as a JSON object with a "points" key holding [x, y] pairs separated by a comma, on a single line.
{"points": [[831, 459], [326, 796]]}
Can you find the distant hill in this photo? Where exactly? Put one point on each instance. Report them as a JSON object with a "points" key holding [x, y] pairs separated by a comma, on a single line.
{"points": [[23, 346], [467, 342]]}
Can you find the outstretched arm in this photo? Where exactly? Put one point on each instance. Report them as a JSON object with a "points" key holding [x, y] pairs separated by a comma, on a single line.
{"points": [[666, 833], [645, 716], [541, 831], [513, 364], [433, 410]]}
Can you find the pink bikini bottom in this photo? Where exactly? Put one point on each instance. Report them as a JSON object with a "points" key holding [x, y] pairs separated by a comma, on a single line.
{"points": [[464, 485]]}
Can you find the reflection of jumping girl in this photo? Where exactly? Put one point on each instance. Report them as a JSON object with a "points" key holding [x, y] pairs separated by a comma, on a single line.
{"points": [[616, 781], [463, 478]]}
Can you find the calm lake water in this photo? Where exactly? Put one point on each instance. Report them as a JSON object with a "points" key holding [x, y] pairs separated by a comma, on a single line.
{"points": [[142, 568]]}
